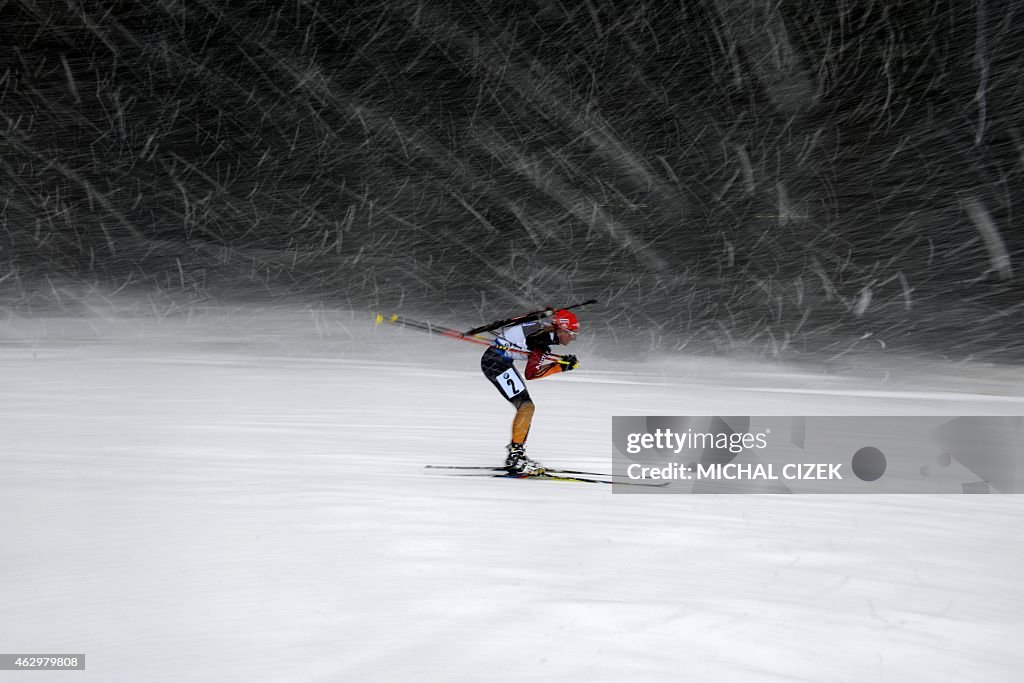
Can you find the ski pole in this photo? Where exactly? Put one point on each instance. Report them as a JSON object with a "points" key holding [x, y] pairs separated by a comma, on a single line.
{"points": [[431, 328]]}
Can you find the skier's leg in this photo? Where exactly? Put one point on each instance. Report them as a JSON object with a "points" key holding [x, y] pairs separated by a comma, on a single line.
{"points": [[507, 380], [515, 459], [522, 421]]}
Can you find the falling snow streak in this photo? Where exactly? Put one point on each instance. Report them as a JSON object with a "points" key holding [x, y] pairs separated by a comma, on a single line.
{"points": [[762, 177]]}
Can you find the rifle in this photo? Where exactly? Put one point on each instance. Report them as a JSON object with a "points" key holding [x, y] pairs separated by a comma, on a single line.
{"points": [[430, 328], [528, 317]]}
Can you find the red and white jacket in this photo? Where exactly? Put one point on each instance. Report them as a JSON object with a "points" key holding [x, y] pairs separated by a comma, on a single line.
{"points": [[534, 338]]}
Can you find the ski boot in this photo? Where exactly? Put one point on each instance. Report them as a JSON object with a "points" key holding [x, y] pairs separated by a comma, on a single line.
{"points": [[517, 463]]}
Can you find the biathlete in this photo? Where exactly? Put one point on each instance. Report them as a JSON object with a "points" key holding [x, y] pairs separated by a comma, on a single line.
{"points": [[535, 337]]}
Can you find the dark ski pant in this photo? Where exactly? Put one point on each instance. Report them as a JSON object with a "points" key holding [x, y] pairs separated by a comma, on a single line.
{"points": [[500, 371]]}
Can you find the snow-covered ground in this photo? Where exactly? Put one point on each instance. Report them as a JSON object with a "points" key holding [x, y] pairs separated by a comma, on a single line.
{"points": [[239, 495]]}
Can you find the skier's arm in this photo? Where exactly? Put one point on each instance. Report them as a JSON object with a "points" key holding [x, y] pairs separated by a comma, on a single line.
{"points": [[536, 368]]}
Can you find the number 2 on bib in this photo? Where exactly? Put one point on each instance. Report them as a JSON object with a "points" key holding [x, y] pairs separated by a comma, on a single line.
{"points": [[511, 383]]}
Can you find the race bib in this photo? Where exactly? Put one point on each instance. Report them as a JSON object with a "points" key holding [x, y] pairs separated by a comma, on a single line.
{"points": [[511, 383]]}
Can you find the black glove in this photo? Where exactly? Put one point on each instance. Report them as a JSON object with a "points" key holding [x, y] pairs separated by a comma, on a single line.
{"points": [[569, 362]]}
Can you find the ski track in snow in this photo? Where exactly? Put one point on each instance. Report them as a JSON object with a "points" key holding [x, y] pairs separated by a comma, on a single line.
{"points": [[241, 496]]}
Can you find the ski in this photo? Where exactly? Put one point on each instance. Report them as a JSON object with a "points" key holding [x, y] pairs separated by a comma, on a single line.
{"points": [[552, 475], [462, 467], [553, 470], [560, 477]]}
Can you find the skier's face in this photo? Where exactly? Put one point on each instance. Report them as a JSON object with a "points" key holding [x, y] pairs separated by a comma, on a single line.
{"points": [[565, 337]]}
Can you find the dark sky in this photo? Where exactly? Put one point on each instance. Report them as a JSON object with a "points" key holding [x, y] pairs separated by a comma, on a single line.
{"points": [[730, 170]]}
